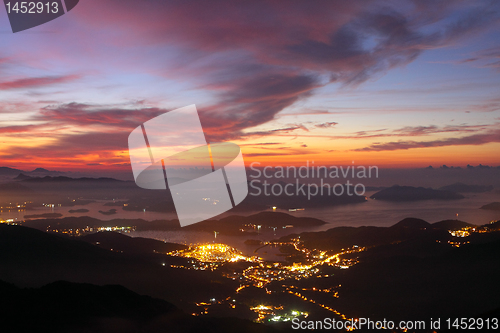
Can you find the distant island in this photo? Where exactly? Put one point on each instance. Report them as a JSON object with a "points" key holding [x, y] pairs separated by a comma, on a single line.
{"points": [[452, 225], [410, 193], [45, 215], [492, 206], [253, 242], [232, 225], [108, 212], [81, 210], [260, 222]]}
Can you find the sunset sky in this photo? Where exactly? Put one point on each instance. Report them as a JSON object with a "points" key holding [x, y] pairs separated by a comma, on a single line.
{"points": [[387, 83]]}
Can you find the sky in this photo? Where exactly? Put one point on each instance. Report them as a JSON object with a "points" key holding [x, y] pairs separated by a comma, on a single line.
{"points": [[397, 84]]}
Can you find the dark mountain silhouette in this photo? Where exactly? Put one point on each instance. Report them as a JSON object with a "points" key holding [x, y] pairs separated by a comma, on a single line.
{"points": [[81, 210], [345, 237], [31, 258], [6, 287], [451, 225], [108, 212], [119, 242], [44, 172], [233, 224], [409, 193], [417, 247], [408, 229], [79, 307], [41, 170], [464, 188], [492, 226], [412, 223], [81, 222], [447, 282], [408, 271], [492, 206], [228, 225], [12, 172], [22, 176], [6, 171]]}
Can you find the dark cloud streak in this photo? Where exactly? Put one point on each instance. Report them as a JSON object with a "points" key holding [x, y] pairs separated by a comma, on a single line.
{"points": [[476, 139]]}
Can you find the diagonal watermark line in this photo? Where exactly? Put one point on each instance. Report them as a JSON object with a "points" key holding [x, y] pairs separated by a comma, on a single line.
{"points": [[147, 144]]}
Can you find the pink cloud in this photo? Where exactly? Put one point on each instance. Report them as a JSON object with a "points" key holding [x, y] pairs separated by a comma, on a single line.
{"points": [[37, 82], [94, 115], [254, 58], [258, 59]]}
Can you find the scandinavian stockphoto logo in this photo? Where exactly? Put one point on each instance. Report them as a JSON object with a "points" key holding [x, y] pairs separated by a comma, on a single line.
{"points": [[171, 151], [28, 14]]}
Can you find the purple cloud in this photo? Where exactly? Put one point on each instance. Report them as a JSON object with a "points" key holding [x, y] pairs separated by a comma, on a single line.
{"points": [[476, 139]]}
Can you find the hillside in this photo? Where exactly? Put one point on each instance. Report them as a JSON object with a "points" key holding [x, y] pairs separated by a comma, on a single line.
{"points": [[32, 258], [344, 237], [411, 223], [231, 225], [447, 282], [77, 307], [408, 272], [451, 225], [6, 171]]}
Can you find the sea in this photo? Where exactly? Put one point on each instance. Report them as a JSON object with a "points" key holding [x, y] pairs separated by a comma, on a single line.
{"points": [[369, 213]]}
